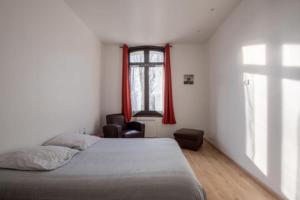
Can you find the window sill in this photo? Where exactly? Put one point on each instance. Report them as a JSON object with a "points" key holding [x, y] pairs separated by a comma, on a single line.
{"points": [[148, 114]]}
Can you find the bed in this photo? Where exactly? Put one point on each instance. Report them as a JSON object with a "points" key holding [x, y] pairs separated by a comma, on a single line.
{"points": [[112, 169]]}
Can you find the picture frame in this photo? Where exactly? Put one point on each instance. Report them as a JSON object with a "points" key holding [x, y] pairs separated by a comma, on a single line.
{"points": [[188, 79]]}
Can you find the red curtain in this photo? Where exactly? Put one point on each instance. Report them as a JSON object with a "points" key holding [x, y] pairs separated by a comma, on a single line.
{"points": [[126, 102], [169, 116]]}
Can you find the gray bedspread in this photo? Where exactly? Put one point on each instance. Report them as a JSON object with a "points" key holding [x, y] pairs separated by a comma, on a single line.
{"points": [[112, 169]]}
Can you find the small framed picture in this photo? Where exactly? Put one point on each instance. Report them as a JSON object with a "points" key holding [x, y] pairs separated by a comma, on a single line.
{"points": [[188, 79]]}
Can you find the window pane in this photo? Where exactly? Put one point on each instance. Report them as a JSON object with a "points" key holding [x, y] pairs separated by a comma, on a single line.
{"points": [[156, 56], [137, 57], [156, 88], [137, 83]]}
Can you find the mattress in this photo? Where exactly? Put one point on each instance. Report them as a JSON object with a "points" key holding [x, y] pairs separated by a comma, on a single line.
{"points": [[112, 169]]}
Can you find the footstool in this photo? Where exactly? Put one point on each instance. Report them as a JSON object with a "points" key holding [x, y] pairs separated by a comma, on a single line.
{"points": [[189, 138]]}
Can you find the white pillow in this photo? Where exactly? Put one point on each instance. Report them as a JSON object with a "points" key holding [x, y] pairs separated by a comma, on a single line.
{"points": [[37, 158], [75, 141]]}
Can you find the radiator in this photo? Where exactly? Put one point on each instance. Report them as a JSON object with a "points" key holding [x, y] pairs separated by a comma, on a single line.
{"points": [[152, 125]]}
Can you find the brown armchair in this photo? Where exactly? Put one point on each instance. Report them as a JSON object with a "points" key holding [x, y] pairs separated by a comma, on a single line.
{"points": [[117, 128]]}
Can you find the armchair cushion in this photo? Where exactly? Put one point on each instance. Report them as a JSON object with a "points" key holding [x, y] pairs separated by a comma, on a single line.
{"points": [[131, 134]]}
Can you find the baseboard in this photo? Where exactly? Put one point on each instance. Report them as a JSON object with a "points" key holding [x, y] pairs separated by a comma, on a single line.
{"points": [[263, 185]]}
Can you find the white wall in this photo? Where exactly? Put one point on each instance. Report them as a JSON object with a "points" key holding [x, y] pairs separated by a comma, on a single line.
{"points": [[111, 80], [190, 102], [257, 125], [49, 72]]}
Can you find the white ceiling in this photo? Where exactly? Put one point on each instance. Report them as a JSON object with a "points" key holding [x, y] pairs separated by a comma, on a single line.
{"points": [[153, 21]]}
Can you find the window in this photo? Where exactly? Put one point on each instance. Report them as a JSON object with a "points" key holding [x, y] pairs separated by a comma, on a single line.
{"points": [[146, 80]]}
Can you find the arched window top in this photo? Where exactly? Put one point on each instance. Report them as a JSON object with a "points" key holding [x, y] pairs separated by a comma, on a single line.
{"points": [[146, 54]]}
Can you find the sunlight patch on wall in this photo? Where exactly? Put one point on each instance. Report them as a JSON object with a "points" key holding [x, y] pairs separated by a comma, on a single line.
{"points": [[290, 184], [254, 54], [291, 55], [256, 97]]}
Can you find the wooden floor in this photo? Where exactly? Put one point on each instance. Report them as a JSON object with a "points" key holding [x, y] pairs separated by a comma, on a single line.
{"points": [[221, 178]]}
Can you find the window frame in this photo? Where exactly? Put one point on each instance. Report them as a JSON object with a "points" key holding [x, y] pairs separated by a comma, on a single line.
{"points": [[147, 64]]}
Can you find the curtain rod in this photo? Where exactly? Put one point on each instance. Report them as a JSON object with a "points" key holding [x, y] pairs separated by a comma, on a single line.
{"points": [[146, 45]]}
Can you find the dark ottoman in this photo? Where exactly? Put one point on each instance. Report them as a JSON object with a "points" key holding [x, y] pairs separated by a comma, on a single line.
{"points": [[189, 138]]}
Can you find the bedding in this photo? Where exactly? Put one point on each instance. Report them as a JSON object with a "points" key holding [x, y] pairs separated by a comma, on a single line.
{"points": [[73, 140], [37, 158], [112, 169]]}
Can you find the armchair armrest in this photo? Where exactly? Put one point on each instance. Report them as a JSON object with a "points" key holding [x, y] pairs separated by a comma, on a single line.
{"points": [[112, 131], [135, 125]]}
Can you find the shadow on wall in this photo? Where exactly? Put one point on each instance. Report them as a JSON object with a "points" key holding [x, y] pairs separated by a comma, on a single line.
{"points": [[272, 113]]}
